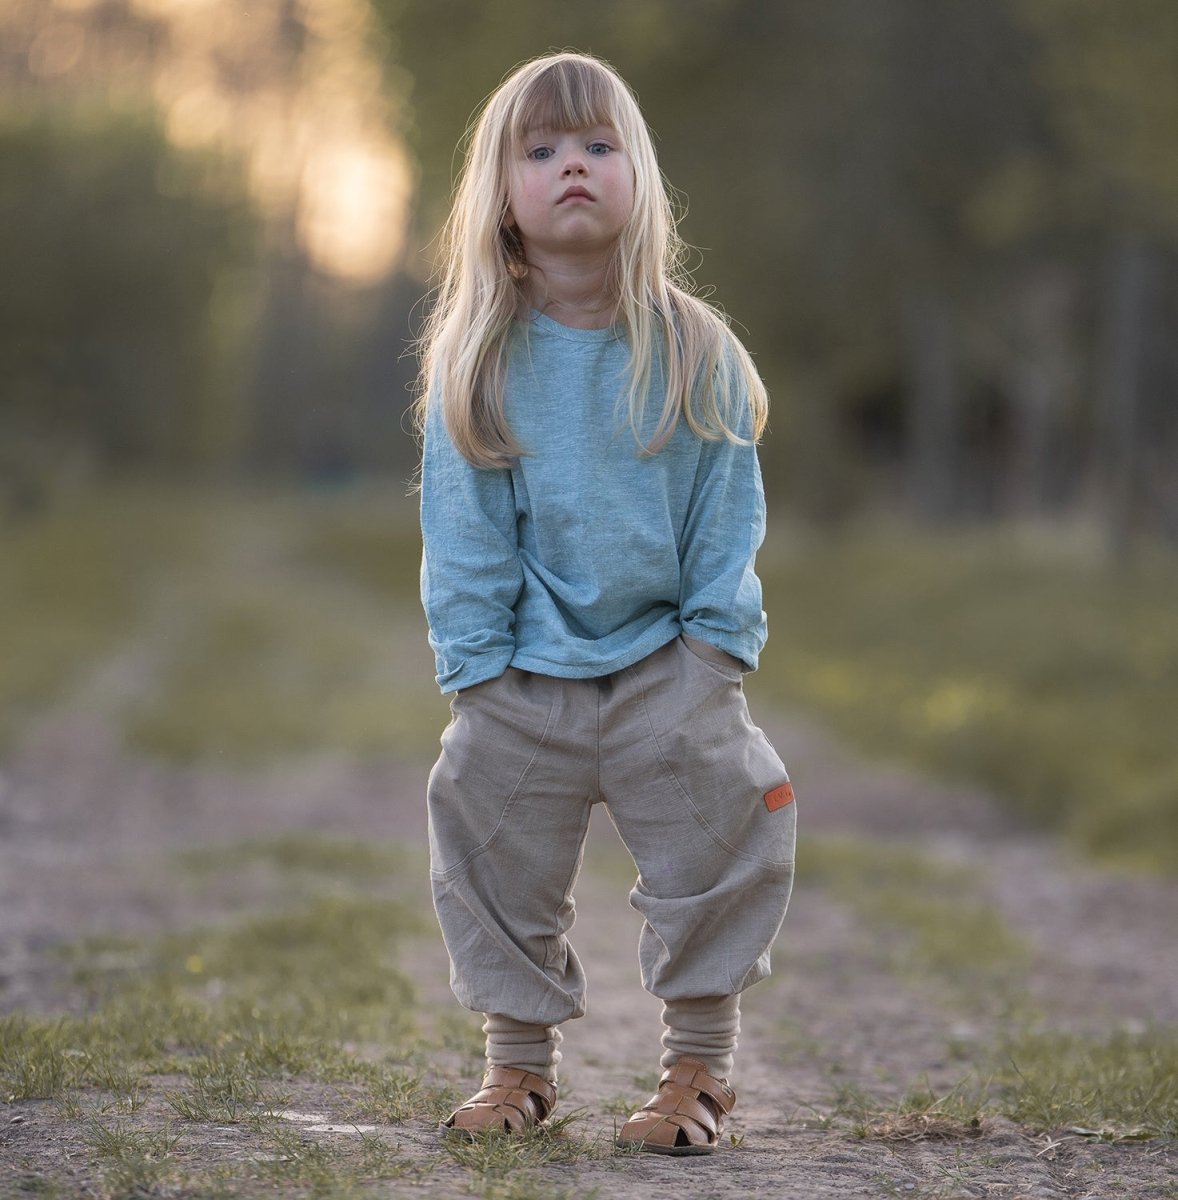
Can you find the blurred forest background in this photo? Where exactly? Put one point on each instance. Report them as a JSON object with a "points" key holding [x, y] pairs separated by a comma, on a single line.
{"points": [[947, 229]]}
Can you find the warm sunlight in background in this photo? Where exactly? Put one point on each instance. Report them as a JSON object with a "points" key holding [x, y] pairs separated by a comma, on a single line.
{"points": [[304, 103]]}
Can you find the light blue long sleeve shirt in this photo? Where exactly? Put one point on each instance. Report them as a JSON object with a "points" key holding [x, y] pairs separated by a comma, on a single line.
{"points": [[587, 554]]}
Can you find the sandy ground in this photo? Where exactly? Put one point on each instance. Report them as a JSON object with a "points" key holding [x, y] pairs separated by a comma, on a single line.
{"points": [[81, 825]]}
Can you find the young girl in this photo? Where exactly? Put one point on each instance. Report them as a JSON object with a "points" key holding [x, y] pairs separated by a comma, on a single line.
{"points": [[591, 506]]}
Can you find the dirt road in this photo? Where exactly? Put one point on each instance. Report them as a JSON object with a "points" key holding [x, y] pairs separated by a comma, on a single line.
{"points": [[842, 1016]]}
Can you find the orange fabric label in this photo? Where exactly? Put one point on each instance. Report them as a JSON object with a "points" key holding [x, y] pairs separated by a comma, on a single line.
{"points": [[779, 797]]}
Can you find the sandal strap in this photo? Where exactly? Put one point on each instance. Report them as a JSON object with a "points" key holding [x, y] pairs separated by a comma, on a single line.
{"points": [[517, 1079], [674, 1101], [677, 1110], [690, 1073], [510, 1098]]}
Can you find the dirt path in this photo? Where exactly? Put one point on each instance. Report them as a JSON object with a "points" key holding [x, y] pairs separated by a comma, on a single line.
{"points": [[74, 810], [86, 830]]}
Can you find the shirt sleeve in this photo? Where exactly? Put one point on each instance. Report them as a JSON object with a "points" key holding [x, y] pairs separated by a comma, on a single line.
{"points": [[471, 575], [720, 597]]}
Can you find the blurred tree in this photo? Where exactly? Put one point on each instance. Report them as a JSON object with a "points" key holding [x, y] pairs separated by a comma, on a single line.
{"points": [[112, 273], [252, 222], [1109, 73], [934, 220]]}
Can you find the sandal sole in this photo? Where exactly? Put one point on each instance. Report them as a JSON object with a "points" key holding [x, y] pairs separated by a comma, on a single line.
{"points": [[667, 1151]]}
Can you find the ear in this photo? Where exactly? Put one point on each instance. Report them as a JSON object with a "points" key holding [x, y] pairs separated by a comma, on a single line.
{"points": [[509, 219]]}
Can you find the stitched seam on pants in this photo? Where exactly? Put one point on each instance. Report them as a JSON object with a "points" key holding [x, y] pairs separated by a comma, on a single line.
{"points": [[597, 785], [701, 820], [559, 938], [451, 872]]}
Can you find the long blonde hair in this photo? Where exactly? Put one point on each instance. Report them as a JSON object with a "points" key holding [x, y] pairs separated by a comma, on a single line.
{"points": [[710, 378]]}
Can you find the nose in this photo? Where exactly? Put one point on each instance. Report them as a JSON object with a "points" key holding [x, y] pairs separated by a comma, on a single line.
{"points": [[574, 164]]}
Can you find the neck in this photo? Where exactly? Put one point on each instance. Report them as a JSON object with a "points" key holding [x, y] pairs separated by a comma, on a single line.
{"points": [[575, 294]]}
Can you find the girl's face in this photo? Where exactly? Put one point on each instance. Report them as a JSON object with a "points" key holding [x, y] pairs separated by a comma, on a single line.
{"points": [[570, 192]]}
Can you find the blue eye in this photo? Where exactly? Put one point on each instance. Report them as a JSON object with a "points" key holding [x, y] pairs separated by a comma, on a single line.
{"points": [[599, 148], [540, 153]]}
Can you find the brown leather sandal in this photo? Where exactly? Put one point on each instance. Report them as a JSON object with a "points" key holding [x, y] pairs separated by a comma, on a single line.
{"points": [[511, 1100], [684, 1116]]}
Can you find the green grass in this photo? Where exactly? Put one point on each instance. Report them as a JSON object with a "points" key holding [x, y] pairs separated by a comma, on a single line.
{"points": [[1125, 1085], [157, 1160], [1118, 1088], [133, 1158], [226, 1026], [72, 586], [177, 1046], [300, 985], [267, 677], [1019, 661], [941, 925], [930, 922], [507, 1166], [267, 997], [270, 640], [287, 650]]}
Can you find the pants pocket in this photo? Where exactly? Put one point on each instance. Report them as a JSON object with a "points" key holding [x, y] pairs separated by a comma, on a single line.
{"points": [[490, 747], [711, 656]]}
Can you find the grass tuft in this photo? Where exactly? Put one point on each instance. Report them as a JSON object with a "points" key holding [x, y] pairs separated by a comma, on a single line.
{"points": [[134, 1161], [923, 1115], [223, 1093], [393, 1094], [35, 1059], [1125, 1086], [496, 1154]]}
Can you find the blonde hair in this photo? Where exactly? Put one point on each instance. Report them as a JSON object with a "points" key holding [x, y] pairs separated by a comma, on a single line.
{"points": [[710, 378]]}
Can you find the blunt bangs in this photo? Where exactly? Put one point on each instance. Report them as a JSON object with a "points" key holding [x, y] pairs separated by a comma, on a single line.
{"points": [[569, 93]]}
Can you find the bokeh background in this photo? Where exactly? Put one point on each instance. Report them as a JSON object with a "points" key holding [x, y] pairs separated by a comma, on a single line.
{"points": [[946, 229]]}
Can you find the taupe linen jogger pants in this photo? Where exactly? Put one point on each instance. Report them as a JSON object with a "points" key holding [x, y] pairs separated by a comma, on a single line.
{"points": [[695, 790]]}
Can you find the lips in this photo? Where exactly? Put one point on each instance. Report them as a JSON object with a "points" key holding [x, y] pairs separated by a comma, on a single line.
{"points": [[574, 193]]}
